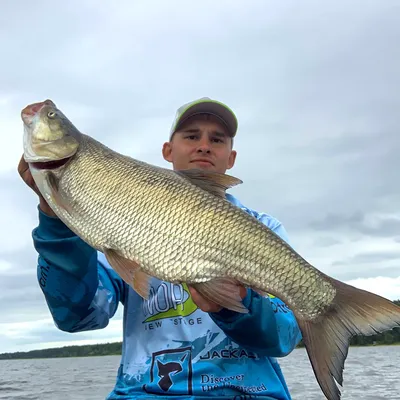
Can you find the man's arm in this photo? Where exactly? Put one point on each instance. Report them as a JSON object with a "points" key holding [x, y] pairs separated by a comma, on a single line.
{"points": [[269, 328], [81, 292]]}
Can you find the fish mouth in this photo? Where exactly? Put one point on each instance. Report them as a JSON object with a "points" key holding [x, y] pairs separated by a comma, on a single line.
{"points": [[29, 112], [54, 164]]}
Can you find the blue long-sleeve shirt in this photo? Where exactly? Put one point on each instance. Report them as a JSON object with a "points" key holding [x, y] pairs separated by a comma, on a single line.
{"points": [[170, 347]]}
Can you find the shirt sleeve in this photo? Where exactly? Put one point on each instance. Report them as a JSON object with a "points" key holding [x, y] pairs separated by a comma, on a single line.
{"points": [[82, 293], [270, 328]]}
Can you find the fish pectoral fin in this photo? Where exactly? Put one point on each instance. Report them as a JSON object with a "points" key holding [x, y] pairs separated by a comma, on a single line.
{"points": [[52, 183], [222, 291], [213, 182], [261, 292], [141, 283], [130, 272], [327, 337]]}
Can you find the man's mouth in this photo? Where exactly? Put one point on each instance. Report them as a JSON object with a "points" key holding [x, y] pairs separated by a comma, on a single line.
{"points": [[202, 161]]}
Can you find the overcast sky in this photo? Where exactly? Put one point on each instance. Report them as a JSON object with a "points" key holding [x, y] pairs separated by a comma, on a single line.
{"points": [[315, 86]]}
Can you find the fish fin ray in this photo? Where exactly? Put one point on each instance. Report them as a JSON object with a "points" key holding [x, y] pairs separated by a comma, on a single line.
{"points": [[130, 271], [327, 338], [52, 183], [261, 292], [141, 283], [222, 291], [211, 181]]}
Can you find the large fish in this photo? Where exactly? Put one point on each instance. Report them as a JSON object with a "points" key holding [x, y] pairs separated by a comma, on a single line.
{"points": [[178, 227]]}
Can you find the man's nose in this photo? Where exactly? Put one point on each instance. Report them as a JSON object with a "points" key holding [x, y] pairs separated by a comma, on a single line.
{"points": [[204, 147]]}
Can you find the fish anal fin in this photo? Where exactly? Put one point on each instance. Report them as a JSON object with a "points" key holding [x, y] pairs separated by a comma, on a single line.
{"points": [[222, 291], [214, 182], [130, 271], [327, 337]]}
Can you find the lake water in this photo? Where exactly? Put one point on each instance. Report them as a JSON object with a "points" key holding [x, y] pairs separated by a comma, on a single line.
{"points": [[371, 373]]}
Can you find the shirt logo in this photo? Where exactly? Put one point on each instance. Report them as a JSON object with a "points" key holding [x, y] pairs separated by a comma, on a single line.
{"points": [[168, 300], [171, 372]]}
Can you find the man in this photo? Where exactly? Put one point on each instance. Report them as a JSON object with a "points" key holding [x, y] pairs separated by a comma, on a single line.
{"points": [[176, 344]]}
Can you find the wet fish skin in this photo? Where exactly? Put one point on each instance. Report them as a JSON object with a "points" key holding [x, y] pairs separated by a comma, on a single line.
{"points": [[139, 228], [178, 227]]}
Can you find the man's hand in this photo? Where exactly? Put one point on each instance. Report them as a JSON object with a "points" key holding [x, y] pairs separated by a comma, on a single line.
{"points": [[25, 173], [207, 305]]}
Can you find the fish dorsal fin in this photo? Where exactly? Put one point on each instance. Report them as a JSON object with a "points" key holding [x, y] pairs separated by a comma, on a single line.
{"points": [[211, 181]]}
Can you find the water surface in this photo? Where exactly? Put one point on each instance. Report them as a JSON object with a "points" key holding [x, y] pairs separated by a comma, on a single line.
{"points": [[371, 373]]}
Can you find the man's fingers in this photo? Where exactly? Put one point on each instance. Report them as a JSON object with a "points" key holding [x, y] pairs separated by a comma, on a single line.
{"points": [[204, 304], [243, 292], [207, 305], [22, 166], [25, 173]]}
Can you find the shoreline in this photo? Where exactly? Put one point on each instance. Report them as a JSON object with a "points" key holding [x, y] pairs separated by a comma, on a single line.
{"points": [[12, 356]]}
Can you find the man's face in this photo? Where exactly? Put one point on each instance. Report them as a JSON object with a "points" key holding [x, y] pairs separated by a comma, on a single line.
{"points": [[203, 142]]}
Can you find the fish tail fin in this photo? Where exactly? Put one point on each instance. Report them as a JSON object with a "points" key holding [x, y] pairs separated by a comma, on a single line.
{"points": [[327, 338]]}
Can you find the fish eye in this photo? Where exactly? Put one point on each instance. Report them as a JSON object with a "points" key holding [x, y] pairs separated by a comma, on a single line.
{"points": [[51, 114]]}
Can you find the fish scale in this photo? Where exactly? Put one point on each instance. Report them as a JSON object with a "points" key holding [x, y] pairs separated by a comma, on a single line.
{"points": [[178, 226]]}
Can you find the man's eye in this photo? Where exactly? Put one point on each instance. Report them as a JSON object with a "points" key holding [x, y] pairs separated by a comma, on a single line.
{"points": [[191, 137]]}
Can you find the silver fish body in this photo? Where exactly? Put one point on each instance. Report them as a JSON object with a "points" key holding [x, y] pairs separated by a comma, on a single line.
{"points": [[174, 229], [178, 227]]}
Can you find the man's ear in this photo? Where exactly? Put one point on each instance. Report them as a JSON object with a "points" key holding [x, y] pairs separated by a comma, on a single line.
{"points": [[232, 159], [167, 151]]}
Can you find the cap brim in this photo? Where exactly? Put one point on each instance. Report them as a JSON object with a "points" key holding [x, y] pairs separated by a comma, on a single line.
{"points": [[213, 107]]}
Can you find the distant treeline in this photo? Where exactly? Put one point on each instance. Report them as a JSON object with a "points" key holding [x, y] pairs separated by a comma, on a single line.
{"points": [[388, 337], [106, 349], [115, 348]]}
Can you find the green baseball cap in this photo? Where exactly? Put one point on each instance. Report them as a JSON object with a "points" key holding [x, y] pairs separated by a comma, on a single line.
{"points": [[205, 105]]}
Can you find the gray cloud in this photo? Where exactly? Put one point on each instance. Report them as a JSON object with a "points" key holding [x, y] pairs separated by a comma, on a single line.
{"points": [[313, 85], [19, 288], [374, 257], [326, 241], [349, 271], [357, 222], [368, 264]]}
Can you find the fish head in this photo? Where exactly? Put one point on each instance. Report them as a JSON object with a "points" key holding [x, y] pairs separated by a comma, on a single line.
{"points": [[48, 134]]}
